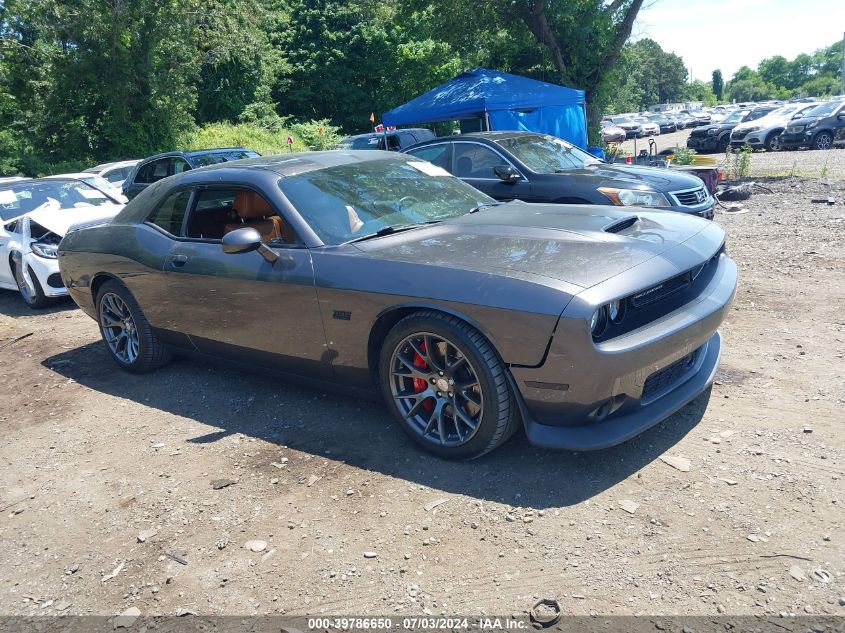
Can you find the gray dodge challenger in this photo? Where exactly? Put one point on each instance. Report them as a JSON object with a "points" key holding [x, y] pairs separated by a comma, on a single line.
{"points": [[372, 271]]}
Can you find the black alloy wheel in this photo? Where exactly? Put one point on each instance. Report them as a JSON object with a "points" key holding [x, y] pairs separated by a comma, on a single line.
{"points": [[446, 386]]}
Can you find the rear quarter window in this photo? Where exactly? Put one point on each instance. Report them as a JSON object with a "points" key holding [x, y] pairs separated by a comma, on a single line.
{"points": [[170, 215]]}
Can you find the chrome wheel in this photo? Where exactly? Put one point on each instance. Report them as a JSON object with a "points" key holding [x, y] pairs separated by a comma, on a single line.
{"points": [[119, 329], [436, 389]]}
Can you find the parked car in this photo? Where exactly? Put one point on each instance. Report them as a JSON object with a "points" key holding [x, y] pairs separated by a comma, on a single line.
{"points": [[717, 137], [764, 133], [613, 134], [666, 125], [697, 117], [650, 128], [154, 168], [34, 215], [116, 173], [394, 141], [98, 182], [632, 128], [539, 168], [375, 271], [822, 127]]}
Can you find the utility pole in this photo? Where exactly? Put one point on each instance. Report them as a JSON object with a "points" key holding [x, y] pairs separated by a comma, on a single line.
{"points": [[843, 63]]}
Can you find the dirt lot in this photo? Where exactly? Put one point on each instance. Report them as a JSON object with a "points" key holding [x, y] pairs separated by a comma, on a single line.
{"points": [[91, 458]]}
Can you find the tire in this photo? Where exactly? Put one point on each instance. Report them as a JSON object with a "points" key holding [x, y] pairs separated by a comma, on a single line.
{"points": [[722, 144], [408, 366], [130, 341], [822, 141], [36, 301]]}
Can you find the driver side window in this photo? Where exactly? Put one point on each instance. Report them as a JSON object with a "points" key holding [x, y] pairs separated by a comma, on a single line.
{"points": [[476, 161]]}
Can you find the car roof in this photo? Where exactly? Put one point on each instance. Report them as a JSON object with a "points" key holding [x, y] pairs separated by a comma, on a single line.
{"points": [[371, 134], [294, 164]]}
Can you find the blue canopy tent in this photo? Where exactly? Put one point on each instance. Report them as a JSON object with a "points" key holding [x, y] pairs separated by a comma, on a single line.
{"points": [[503, 101]]}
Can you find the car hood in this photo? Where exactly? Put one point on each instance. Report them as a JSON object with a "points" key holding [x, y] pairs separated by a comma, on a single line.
{"points": [[567, 243], [633, 177], [805, 120], [59, 221]]}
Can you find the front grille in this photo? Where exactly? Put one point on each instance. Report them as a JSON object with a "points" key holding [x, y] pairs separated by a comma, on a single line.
{"points": [[691, 198], [738, 135], [655, 293], [698, 133], [668, 376]]}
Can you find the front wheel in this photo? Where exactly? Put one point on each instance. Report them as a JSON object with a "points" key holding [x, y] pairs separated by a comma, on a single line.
{"points": [[722, 145], [446, 386], [126, 331], [33, 296], [773, 142], [823, 140]]}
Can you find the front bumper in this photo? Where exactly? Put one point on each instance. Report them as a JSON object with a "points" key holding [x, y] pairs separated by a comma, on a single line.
{"points": [[47, 272], [703, 143], [799, 139], [602, 393]]}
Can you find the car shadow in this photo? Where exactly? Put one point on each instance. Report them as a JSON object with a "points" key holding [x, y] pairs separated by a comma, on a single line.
{"points": [[361, 433], [13, 306]]}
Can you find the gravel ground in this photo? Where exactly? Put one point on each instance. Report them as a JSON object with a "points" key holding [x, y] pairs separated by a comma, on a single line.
{"points": [[124, 491], [812, 164]]}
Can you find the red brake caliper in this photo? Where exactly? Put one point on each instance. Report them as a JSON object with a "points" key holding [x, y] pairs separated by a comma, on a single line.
{"points": [[419, 383]]}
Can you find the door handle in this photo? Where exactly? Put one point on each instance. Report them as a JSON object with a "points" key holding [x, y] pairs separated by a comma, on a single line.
{"points": [[177, 261]]}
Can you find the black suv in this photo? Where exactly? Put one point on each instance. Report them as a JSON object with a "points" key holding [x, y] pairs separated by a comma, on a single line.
{"points": [[821, 128], [160, 166], [540, 168], [717, 137]]}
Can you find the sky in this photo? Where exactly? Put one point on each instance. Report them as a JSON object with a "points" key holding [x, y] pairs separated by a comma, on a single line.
{"points": [[727, 34]]}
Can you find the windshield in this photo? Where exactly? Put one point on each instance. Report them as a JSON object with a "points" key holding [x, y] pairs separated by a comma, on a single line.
{"points": [[735, 117], [351, 201], [824, 109], [359, 142], [23, 197], [546, 154]]}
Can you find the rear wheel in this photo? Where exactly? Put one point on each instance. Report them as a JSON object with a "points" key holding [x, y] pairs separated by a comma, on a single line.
{"points": [[33, 295], [126, 331], [722, 144], [822, 140], [446, 386]]}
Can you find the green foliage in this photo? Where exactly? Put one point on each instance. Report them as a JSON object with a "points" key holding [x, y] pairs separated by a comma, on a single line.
{"points": [[816, 75], [700, 91], [717, 84], [241, 135], [318, 135], [738, 162], [683, 156]]}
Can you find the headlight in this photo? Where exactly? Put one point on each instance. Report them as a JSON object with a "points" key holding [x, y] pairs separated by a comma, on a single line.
{"points": [[811, 125], [712, 132], [47, 251], [634, 197], [599, 321], [753, 128]]}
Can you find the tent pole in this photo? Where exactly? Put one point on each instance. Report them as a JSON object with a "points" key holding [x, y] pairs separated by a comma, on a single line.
{"points": [[487, 120]]}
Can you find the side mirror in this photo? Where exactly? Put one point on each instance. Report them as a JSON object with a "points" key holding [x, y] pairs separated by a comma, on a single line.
{"points": [[243, 240], [841, 116], [506, 173]]}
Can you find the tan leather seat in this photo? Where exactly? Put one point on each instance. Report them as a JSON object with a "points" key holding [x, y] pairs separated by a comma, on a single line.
{"points": [[255, 212]]}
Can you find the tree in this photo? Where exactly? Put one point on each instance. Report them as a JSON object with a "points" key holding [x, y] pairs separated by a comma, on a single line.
{"points": [[700, 91], [776, 71], [717, 84]]}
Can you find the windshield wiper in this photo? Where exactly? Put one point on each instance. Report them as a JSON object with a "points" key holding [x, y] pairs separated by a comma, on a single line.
{"points": [[485, 205], [390, 230]]}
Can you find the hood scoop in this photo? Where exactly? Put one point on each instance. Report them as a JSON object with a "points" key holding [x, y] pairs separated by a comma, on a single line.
{"points": [[621, 225]]}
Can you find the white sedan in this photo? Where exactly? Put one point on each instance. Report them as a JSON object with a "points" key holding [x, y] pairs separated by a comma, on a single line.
{"points": [[34, 216]]}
